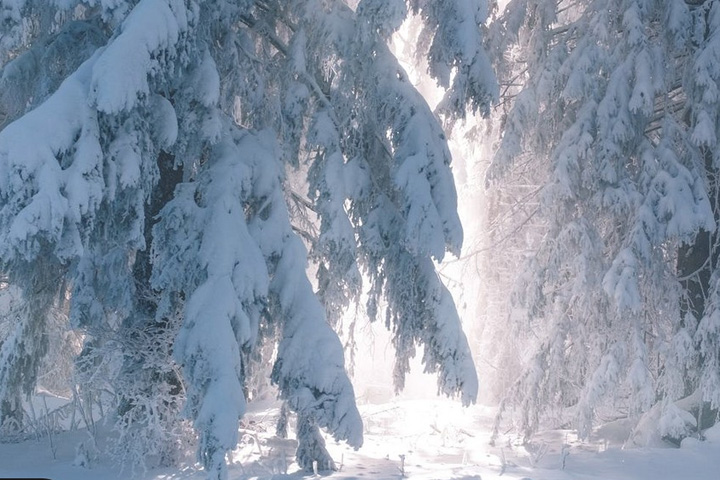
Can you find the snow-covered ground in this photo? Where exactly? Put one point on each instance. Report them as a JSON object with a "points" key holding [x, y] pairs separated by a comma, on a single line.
{"points": [[429, 439]]}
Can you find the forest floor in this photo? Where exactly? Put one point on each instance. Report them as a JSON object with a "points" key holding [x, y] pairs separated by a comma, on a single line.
{"points": [[415, 439]]}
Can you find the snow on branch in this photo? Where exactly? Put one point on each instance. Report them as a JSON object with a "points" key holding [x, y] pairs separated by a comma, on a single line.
{"points": [[150, 32], [51, 173], [310, 367]]}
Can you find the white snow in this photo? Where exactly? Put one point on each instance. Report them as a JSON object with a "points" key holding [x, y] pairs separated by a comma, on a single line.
{"points": [[121, 73], [422, 439]]}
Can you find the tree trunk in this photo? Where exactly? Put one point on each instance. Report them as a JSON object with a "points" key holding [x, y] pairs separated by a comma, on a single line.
{"points": [[143, 324]]}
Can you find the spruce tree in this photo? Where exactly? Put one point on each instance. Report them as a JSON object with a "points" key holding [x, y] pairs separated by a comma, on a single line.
{"points": [[617, 111], [146, 154]]}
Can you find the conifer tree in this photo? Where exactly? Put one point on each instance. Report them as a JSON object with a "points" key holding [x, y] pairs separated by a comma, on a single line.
{"points": [[617, 107], [144, 160]]}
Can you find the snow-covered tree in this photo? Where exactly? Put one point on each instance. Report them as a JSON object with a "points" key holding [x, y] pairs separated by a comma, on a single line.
{"points": [[617, 109], [144, 156]]}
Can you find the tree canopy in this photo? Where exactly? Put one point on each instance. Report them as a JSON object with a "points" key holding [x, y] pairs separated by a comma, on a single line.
{"points": [[614, 104], [149, 156]]}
